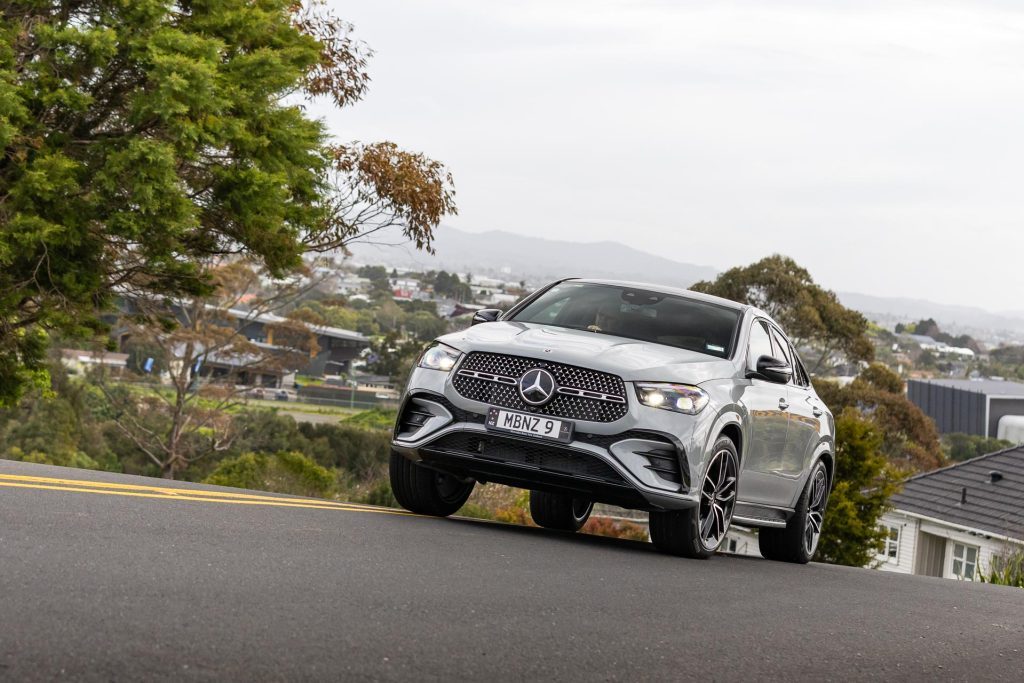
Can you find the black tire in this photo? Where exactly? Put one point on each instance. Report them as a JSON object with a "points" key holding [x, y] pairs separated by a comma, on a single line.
{"points": [[425, 491], [679, 532], [559, 511], [798, 542]]}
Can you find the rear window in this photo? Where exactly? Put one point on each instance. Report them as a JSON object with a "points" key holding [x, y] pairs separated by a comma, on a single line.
{"points": [[636, 314]]}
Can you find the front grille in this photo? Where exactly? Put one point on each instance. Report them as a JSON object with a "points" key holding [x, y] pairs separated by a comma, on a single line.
{"points": [[541, 456], [606, 402]]}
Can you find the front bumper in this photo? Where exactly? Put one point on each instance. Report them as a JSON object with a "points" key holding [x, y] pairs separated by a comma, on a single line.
{"points": [[645, 460]]}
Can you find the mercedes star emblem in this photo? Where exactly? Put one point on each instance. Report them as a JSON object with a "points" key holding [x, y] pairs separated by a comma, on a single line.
{"points": [[537, 386]]}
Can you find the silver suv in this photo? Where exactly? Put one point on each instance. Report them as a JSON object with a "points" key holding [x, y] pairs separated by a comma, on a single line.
{"points": [[694, 408]]}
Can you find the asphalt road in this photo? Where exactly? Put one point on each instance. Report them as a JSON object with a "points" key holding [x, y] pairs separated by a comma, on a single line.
{"points": [[103, 582]]}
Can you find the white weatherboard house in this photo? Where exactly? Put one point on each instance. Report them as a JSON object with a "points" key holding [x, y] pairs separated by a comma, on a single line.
{"points": [[959, 521]]}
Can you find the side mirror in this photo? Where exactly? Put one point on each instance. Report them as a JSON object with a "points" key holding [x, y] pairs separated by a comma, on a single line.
{"points": [[773, 370], [486, 315]]}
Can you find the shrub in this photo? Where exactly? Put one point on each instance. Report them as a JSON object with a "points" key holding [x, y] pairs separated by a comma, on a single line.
{"points": [[606, 526], [64, 457], [375, 492], [284, 472], [1006, 572], [355, 449], [375, 418], [864, 482], [516, 512]]}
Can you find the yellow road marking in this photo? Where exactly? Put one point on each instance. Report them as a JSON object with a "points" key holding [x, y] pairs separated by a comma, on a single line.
{"points": [[175, 492], [245, 500]]}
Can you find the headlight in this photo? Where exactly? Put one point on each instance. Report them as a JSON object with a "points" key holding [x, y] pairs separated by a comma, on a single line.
{"points": [[439, 357], [681, 398]]}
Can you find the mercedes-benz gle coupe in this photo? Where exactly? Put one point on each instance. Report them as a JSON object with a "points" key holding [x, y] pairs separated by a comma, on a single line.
{"points": [[694, 408]]}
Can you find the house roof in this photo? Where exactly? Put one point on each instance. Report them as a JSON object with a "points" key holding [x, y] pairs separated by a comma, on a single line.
{"points": [[274, 319], [992, 506], [990, 387]]}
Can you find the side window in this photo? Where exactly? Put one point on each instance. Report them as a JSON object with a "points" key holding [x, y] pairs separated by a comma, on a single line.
{"points": [[760, 344], [782, 347], [799, 373]]}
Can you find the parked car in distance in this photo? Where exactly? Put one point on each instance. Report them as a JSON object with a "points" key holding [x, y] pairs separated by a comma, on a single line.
{"points": [[694, 408], [282, 395]]}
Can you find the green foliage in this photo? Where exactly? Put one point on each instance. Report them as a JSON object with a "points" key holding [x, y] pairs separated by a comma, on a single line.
{"points": [[284, 472], [139, 138], [604, 526], [375, 418], [909, 437], [353, 448], [143, 138], [929, 328], [811, 315], [880, 377], [376, 492], [959, 447], [61, 457], [1007, 571], [1009, 355], [360, 452], [449, 285], [864, 482]]}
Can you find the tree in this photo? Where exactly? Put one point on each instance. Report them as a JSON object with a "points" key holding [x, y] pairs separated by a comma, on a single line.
{"points": [[864, 482], [909, 438], [811, 315], [142, 137], [959, 447], [188, 418]]}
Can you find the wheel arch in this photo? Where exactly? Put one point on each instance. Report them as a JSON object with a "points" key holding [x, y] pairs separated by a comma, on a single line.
{"points": [[734, 432], [826, 457]]}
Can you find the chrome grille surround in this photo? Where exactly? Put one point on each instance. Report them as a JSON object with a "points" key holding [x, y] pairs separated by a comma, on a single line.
{"points": [[582, 394]]}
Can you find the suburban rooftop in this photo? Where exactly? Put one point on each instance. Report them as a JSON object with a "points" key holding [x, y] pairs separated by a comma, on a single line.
{"points": [[994, 494], [990, 387]]}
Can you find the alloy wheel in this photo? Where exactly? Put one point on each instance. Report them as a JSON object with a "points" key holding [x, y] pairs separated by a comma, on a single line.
{"points": [[815, 511], [581, 508], [717, 499]]}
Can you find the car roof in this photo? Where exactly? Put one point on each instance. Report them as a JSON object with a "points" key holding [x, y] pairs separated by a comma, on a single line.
{"points": [[678, 291]]}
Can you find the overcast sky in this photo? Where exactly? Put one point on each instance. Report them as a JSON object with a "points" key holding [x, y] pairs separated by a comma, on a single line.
{"points": [[880, 144]]}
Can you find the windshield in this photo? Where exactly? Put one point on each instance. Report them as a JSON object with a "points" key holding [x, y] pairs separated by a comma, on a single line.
{"points": [[636, 314]]}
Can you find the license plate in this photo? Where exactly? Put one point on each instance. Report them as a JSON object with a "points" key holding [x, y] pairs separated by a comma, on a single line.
{"points": [[532, 425]]}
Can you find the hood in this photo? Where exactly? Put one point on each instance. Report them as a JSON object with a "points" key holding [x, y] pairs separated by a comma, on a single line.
{"points": [[631, 359]]}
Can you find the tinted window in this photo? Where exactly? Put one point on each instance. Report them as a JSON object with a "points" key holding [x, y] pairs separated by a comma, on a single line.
{"points": [[636, 314], [799, 373], [760, 344], [782, 351]]}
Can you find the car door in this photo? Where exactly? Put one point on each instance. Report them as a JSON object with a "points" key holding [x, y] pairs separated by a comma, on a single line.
{"points": [[802, 436], [767, 404], [805, 428]]}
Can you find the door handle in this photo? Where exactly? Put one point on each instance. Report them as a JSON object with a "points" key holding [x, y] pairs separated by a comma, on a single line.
{"points": [[783, 404], [817, 411]]}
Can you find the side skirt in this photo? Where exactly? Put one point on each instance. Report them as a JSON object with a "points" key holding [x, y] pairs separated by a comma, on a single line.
{"points": [[757, 515]]}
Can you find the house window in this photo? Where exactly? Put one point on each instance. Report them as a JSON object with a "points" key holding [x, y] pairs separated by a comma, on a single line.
{"points": [[891, 543], [965, 561]]}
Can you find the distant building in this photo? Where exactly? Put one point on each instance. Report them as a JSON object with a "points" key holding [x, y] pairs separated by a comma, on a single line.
{"points": [[338, 347], [981, 407], [959, 521], [79, 360], [929, 344]]}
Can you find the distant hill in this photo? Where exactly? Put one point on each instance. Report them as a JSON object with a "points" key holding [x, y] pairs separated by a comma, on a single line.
{"points": [[507, 255], [961, 318], [498, 254]]}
